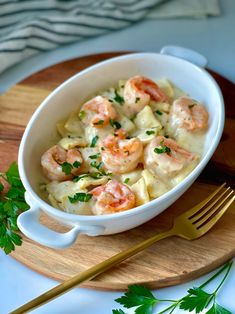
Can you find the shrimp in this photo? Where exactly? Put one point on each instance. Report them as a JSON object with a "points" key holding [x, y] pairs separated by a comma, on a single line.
{"points": [[188, 114], [112, 197], [121, 155], [165, 157], [53, 159], [138, 92], [98, 112], [5, 184]]}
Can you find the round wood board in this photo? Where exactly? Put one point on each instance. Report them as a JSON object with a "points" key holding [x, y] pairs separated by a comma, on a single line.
{"points": [[168, 262]]}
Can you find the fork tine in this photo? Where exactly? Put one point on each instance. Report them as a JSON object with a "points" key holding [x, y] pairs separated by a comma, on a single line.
{"points": [[199, 206], [210, 213], [200, 214], [207, 226]]}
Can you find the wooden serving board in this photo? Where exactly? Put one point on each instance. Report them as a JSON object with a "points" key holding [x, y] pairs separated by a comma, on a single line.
{"points": [[170, 261]]}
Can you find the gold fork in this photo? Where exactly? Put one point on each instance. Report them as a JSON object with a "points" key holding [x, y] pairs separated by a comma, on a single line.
{"points": [[190, 225]]}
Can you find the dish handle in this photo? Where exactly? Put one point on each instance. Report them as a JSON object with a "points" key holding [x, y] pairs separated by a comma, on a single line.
{"points": [[185, 53], [28, 223]]}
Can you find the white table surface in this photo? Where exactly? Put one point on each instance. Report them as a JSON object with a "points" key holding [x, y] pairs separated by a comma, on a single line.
{"points": [[212, 37]]}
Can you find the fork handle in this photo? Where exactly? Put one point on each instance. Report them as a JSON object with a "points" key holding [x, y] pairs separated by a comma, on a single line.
{"points": [[90, 273]]}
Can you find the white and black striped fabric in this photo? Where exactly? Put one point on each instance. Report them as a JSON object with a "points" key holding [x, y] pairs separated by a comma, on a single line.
{"points": [[28, 27]]}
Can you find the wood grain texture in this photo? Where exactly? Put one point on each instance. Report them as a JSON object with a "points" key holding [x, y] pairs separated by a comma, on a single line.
{"points": [[169, 262]]}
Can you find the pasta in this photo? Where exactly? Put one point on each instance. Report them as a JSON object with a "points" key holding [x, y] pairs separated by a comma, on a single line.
{"points": [[124, 147]]}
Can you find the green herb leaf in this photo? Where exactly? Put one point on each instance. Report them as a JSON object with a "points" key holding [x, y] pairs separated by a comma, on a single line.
{"points": [[66, 167], [217, 309], [150, 132], [126, 180], [159, 112], [96, 175], [77, 178], [197, 300], [94, 141], [138, 296], [94, 156], [76, 164], [118, 312], [15, 193], [80, 197], [93, 175], [13, 176], [100, 122], [118, 98], [82, 115], [11, 205], [162, 149], [1, 187], [115, 124], [97, 166]]}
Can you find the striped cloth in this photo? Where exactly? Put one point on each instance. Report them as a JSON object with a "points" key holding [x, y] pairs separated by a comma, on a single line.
{"points": [[28, 27]]}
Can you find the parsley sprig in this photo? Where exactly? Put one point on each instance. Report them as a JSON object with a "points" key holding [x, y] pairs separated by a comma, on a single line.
{"points": [[197, 299], [11, 205]]}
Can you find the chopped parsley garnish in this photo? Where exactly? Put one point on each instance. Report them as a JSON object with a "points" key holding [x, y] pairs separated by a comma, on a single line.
{"points": [[163, 149], [77, 178], [94, 156], [102, 148], [100, 122], [191, 106], [67, 167], [94, 141], [80, 197], [126, 180], [1, 187], [81, 115], [97, 166], [76, 164], [118, 98], [110, 100], [159, 112], [115, 124], [150, 132], [137, 99], [94, 175]]}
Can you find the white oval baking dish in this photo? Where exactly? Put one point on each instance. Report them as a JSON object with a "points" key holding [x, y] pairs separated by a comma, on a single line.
{"points": [[40, 134]]}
